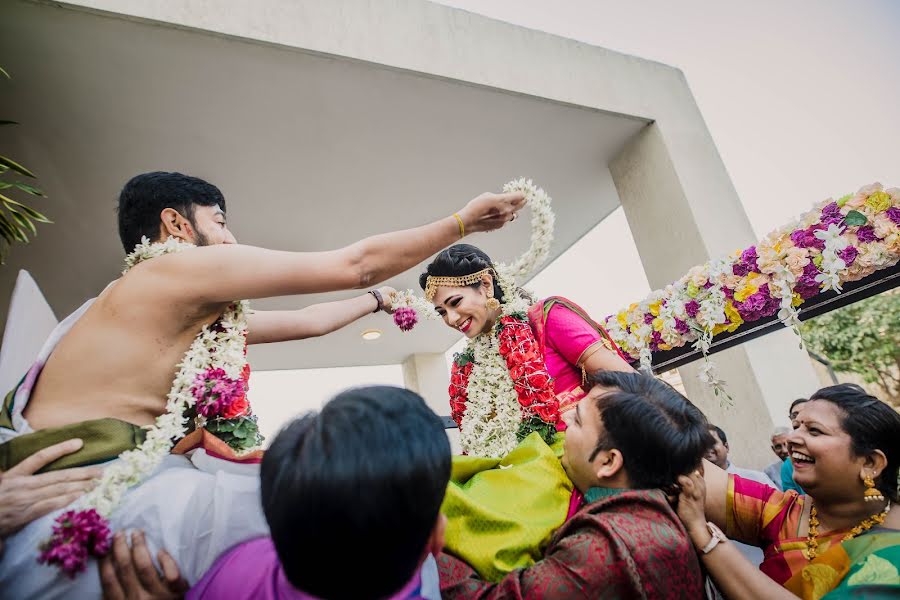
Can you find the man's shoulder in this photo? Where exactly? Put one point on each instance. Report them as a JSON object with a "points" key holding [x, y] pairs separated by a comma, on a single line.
{"points": [[628, 513]]}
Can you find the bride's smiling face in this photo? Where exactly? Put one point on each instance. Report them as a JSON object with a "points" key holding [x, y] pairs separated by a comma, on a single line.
{"points": [[463, 308]]}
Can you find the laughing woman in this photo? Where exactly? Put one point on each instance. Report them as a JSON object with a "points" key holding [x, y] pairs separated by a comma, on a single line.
{"points": [[841, 539]]}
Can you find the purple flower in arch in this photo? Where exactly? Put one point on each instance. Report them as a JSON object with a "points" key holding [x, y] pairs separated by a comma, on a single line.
{"points": [[806, 238], [831, 210], [893, 214], [648, 318], [747, 263], [866, 234], [655, 340], [692, 308], [682, 327], [848, 255], [831, 215], [806, 285]]}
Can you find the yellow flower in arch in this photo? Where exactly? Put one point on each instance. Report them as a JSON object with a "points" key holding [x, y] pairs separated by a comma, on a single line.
{"points": [[733, 316]]}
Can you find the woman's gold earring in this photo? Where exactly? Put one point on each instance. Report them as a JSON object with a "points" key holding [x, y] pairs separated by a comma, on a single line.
{"points": [[492, 303], [871, 494]]}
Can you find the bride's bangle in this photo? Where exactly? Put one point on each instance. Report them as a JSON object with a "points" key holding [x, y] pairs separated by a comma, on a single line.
{"points": [[377, 295]]}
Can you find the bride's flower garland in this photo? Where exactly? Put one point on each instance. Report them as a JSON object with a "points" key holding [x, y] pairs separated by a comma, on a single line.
{"points": [[210, 385], [500, 390]]}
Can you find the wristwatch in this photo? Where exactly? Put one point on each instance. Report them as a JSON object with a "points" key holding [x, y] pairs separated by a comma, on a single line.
{"points": [[717, 536]]}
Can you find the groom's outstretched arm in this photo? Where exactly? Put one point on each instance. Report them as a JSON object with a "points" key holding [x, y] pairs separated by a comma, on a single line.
{"points": [[216, 274]]}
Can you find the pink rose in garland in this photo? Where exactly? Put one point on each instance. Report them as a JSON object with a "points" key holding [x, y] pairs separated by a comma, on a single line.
{"points": [[76, 535], [218, 395]]}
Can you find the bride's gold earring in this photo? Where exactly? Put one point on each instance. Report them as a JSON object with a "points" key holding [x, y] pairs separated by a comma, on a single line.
{"points": [[492, 303], [871, 494]]}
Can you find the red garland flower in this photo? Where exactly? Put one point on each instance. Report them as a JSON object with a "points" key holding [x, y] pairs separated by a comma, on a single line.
{"points": [[525, 362]]}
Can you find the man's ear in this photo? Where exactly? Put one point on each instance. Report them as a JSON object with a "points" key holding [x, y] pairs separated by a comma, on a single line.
{"points": [[174, 224], [436, 539], [608, 464]]}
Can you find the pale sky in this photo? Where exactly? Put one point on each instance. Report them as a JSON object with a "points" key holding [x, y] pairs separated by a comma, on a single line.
{"points": [[800, 98]]}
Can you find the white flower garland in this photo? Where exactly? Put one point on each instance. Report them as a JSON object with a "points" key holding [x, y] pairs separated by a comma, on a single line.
{"points": [[491, 422], [221, 346], [493, 413]]}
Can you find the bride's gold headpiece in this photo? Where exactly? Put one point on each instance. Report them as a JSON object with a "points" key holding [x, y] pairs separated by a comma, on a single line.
{"points": [[433, 283]]}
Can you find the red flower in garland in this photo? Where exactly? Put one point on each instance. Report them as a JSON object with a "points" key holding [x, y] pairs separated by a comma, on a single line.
{"points": [[532, 382], [459, 383]]}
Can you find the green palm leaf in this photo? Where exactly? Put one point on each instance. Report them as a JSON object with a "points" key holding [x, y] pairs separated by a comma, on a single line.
{"points": [[11, 164]]}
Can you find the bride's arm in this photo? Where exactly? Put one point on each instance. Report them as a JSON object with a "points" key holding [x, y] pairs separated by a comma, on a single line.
{"points": [[268, 326], [600, 358]]}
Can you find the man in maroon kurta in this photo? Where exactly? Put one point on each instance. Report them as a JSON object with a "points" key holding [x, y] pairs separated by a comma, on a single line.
{"points": [[629, 437]]}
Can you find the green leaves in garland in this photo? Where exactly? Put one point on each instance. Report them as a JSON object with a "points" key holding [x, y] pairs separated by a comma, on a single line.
{"points": [[547, 431], [241, 433]]}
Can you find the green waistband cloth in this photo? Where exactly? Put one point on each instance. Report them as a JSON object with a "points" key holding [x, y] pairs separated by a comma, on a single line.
{"points": [[104, 439], [501, 513]]}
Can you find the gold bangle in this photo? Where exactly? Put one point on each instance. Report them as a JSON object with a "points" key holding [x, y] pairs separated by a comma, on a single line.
{"points": [[462, 228]]}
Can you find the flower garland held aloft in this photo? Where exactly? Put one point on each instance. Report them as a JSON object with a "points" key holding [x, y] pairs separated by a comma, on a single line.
{"points": [[210, 385], [409, 306], [500, 390], [836, 242]]}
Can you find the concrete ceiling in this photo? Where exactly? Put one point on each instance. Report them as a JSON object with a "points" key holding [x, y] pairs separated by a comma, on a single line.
{"points": [[311, 151]]}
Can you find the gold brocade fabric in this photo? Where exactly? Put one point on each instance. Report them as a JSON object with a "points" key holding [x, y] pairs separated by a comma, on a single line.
{"points": [[501, 513]]}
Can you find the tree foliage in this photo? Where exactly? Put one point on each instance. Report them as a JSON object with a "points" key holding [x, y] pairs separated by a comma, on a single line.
{"points": [[17, 219], [862, 338]]}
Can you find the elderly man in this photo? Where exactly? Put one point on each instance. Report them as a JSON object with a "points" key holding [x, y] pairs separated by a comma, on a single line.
{"points": [[780, 448]]}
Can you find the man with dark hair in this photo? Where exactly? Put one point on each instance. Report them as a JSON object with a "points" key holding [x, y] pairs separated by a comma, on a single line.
{"points": [[627, 441], [114, 372], [369, 473], [718, 455], [151, 198]]}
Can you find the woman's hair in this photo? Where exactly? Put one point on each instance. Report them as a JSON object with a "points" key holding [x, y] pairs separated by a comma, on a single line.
{"points": [[872, 425], [459, 260]]}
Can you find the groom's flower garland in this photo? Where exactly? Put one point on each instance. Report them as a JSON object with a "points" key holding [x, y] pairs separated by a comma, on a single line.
{"points": [[500, 389], [210, 385], [836, 242]]}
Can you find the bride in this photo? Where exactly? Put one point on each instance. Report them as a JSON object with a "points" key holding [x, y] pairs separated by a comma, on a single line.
{"points": [[525, 364]]}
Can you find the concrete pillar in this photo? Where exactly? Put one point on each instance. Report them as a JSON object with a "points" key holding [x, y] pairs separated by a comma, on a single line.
{"points": [[683, 210], [427, 374]]}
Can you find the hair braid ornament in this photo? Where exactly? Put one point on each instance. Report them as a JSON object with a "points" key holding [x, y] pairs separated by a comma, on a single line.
{"points": [[500, 390]]}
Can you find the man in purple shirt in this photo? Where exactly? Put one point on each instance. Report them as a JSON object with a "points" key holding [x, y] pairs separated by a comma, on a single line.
{"points": [[352, 497]]}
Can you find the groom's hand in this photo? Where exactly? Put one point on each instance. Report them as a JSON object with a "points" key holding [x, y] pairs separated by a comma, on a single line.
{"points": [[489, 211], [128, 572]]}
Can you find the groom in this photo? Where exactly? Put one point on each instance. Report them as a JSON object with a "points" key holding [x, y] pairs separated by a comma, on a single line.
{"points": [[113, 361]]}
